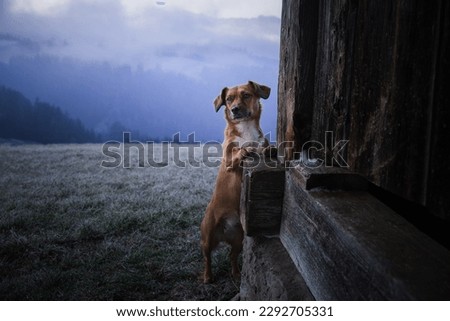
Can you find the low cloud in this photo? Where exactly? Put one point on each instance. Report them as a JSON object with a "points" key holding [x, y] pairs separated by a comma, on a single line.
{"points": [[156, 56], [138, 33]]}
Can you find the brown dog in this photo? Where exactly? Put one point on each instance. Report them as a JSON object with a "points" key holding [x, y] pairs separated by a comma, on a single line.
{"points": [[242, 137]]}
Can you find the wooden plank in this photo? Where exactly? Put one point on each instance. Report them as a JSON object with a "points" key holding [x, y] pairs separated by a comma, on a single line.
{"points": [[334, 67], [438, 173], [392, 77], [373, 73], [296, 76], [262, 198], [331, 178], [268, 272], [350, 246]]}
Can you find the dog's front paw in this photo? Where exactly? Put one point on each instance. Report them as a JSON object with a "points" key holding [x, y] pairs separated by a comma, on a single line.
{"points": [[249, 152], [229, 165]]}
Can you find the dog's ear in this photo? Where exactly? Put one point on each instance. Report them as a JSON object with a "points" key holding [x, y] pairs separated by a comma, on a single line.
{"points": [[220, 100], [261, 90]]}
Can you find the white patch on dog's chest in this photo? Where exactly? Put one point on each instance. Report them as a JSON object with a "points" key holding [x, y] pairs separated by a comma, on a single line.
{"points": [[248, 133]]}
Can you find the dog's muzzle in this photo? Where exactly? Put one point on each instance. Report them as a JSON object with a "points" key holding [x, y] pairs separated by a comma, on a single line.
{"points": [[238, 113]]}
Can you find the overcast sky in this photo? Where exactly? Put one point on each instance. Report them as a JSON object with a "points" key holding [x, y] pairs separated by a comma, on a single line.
{"points": [[195, 38]]}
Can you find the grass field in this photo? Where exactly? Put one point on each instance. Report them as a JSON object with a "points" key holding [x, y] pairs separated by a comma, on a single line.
{"points": [[71, 229]]}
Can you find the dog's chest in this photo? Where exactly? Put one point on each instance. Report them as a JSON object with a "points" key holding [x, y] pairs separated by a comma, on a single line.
{"points": [[248, 133]]}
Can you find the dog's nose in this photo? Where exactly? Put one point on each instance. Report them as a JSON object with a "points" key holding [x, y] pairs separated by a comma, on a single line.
{"points": [[235, 109]]}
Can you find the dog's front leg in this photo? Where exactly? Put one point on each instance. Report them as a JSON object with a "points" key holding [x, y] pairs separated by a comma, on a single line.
{"points": [[234, 157]]}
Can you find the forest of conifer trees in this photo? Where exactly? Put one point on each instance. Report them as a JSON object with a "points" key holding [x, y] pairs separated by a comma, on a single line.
{"points": [[39, 122]]}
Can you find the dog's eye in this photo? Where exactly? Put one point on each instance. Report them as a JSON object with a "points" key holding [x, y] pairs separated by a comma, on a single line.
{"points": [[246, 95], [229, 99]]}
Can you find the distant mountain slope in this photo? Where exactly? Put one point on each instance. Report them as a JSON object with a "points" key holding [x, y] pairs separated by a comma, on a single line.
{"points": [[39, 122]]}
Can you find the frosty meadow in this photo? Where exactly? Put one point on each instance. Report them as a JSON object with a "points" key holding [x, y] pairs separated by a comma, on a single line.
{"points": [[71, 229]]}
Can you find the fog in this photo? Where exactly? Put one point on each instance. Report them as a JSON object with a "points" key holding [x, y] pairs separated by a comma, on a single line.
{"points": [[154, 68]]}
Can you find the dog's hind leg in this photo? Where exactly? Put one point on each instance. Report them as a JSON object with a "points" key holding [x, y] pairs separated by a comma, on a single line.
{"points": [[234, 236], [207, 274], [208, 243], [236, 249], [207, 247]]}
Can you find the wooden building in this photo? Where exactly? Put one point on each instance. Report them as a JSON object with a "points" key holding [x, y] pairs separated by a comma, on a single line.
{"points": [[358, 205]]}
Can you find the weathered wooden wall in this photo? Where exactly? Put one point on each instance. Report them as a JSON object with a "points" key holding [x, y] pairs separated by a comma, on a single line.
{"points": [[374, 73]]}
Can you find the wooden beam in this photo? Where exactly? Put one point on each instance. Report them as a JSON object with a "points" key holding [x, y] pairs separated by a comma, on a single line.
{"points": [[262, 198], [350, 246], [331, 178], [269, 274]]}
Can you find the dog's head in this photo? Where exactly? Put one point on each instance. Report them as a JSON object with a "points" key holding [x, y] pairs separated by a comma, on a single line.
{"points": [[242, 102]]}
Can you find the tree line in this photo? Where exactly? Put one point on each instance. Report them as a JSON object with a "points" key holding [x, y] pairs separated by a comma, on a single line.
{"points": [[39, 122]]}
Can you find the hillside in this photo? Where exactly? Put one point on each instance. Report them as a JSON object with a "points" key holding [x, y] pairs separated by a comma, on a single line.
{"points": [[39, 122]]}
